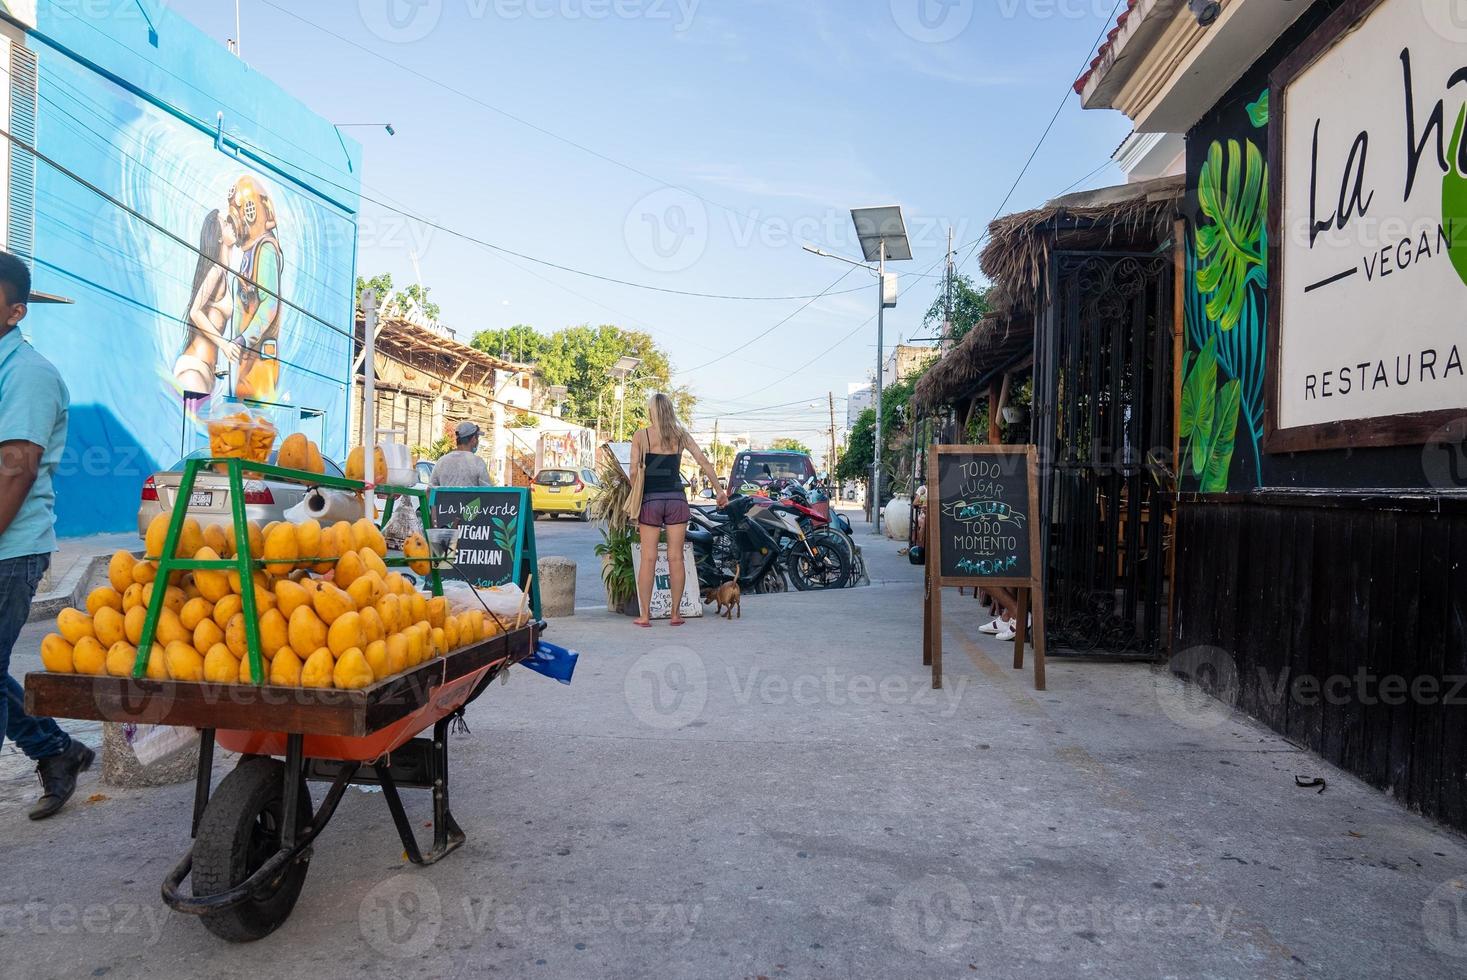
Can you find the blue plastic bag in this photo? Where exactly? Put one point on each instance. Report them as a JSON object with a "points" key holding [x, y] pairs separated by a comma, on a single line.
{"points": [[556, 663]]}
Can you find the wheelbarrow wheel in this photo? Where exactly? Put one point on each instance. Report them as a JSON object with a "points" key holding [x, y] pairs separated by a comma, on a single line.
{"points": [[239, 832]]}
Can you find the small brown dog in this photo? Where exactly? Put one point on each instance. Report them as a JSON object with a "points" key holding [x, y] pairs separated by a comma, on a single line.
{"points": [[728, 596]]}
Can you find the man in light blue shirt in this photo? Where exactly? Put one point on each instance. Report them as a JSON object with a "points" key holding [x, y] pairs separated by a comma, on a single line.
{"points": [[33, 407]]}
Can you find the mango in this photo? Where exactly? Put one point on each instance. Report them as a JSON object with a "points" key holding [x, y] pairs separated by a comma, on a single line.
{"points": [[170, 629], [156, 535], [349, 569], [376, 654], [213, 585], [317, 670], [289, 596], [274, 632], [207, 634], [190, 539], [88, 656], [416, 547], [106, 596], [285, 668], [331, 603], [366, 536], [108, 626], [397, 654], [144, 572], [194, 612], [184, 662], [352, 673], [73, 624], [226, 609], [120, 659], [217, 538], [132, 597], [345, 634], [56, 654], [235, 638], [221, 666], [305, 632], [119, 570], [282, 549], [132, 624], [308, 540], [437, 610], [372, 629], [373, 562], [365, 590]]}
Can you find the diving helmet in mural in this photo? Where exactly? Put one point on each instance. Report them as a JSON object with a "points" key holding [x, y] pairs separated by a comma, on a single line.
{"points": [[252, 210]]}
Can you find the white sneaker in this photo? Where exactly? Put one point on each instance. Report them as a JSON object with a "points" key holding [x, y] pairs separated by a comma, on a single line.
{"points": [[1010, 630], [993, 628]]}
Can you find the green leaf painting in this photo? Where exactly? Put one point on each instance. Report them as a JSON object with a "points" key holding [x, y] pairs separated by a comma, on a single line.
{"points": [[1233, 197], [1258, 111], [1454, 200], [505, 533], [1224, 437], [1199, 403]]}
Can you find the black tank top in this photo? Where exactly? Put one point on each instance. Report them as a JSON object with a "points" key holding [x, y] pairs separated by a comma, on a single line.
{"points": [[662, 472]]}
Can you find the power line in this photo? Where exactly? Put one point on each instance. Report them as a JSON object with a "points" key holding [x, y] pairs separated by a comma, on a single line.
{"points": [[1064, 100], [771, 330], [507, 114], [403, 212]]}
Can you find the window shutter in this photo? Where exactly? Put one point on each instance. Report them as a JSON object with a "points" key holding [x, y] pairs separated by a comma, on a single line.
{"points": [[24, 96]]}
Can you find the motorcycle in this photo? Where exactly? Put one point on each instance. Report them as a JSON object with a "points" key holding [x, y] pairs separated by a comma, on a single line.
{"points": [[767, 540]]}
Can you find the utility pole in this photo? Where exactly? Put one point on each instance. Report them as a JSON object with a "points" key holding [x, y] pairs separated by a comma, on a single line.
{"points": [[880, 343], [714, 448], [830, 465], [947, 326]]}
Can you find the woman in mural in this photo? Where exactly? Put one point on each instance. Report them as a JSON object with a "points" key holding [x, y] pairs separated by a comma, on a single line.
{"points": [[211, 308], [261, 271]]}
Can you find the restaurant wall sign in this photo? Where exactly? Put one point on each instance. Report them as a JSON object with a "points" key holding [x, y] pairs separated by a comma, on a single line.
{"points": [[1368, 209]]}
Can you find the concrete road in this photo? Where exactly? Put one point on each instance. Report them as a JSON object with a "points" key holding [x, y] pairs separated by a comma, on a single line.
{"points": [[784, 795], [566, 537]]}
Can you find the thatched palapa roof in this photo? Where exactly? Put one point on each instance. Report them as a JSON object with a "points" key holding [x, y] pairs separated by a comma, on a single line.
{"points": [[1016, 263]]}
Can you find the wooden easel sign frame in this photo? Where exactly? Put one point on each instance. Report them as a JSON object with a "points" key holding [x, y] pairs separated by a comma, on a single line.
{"points": [[983, 531]]}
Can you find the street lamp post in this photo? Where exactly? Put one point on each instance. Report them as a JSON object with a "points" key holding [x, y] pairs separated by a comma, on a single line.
{"points": [[621, 371], [883, 236]]}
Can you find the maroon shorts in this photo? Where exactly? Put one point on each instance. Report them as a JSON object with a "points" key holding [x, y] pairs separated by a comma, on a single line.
{"points": [[664, 510]]}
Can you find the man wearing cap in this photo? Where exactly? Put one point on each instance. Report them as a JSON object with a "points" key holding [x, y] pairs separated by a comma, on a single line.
{"points": [[463, 467]]}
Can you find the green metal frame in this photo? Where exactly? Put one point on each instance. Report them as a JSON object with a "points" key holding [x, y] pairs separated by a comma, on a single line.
{"points": [[245, 563]]}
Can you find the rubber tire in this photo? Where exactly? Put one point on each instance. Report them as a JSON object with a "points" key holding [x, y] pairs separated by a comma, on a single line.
{"points": [[586, 514], [802, 584], [222, 846]]}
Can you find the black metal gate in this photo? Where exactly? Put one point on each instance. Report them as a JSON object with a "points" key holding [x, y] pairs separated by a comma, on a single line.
{"points": [[1103, 424]]}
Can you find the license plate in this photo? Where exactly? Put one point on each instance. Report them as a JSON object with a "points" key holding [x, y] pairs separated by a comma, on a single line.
{"points": [[201, 498], [554, 491]]}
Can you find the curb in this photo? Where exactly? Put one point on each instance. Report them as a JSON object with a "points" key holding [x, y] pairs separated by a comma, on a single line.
{"points": [[70, 591]]}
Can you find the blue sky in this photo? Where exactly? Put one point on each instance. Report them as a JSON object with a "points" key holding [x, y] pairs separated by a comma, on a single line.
{"points": [[692, 145]]}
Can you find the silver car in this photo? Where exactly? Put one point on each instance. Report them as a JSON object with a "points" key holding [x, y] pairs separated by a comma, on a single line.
{"points": [[265, 500]]}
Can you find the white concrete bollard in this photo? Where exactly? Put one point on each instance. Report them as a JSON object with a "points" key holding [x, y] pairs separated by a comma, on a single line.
{"points": [[557, 580]]}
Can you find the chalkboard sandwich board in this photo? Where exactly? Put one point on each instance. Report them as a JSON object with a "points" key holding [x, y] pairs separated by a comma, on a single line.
{"points": [[495, 540], [983, 531]]}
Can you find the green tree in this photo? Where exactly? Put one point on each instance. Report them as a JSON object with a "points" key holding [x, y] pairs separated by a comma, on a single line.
{"points": [[381, 283], [970, 305], [581, 359], [721, 455], [790, 445], [519, 343], [416, 296], [860, 451]]}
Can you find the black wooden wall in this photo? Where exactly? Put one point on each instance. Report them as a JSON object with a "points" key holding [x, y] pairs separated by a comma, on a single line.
{"points": [[1313, 601]]}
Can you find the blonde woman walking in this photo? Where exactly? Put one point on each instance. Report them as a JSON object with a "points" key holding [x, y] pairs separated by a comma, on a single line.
{"points": [[658, 502]]}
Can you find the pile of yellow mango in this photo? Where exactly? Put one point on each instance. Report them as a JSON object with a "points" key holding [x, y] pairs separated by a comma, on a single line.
{"points": [[330, 614]]}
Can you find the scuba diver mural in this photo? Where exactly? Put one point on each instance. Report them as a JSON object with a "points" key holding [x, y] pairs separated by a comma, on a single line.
{"points": [[233, 318]]}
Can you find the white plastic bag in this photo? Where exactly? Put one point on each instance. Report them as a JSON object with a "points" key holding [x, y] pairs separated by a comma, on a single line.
{"points": [[155, 743]]}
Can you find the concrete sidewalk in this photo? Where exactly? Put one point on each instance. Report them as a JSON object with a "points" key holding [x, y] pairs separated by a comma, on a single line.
{"points": [[783, 795]]}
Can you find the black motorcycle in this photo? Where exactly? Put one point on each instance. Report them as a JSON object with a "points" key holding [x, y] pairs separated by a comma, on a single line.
{"points": [[768, 542]]}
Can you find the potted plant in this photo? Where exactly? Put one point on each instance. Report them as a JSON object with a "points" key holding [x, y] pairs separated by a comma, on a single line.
{"points": [[618, 538]]}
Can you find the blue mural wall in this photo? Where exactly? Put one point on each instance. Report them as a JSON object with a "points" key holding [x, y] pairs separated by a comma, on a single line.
{"points": [[212, 257]]}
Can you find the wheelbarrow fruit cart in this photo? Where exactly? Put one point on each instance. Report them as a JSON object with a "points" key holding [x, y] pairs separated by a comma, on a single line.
{"points": [[253, 832]]}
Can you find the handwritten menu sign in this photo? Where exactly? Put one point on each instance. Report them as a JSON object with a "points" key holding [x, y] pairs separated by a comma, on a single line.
{"points": [[983, 516], [490, 523], [983, 531]]}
